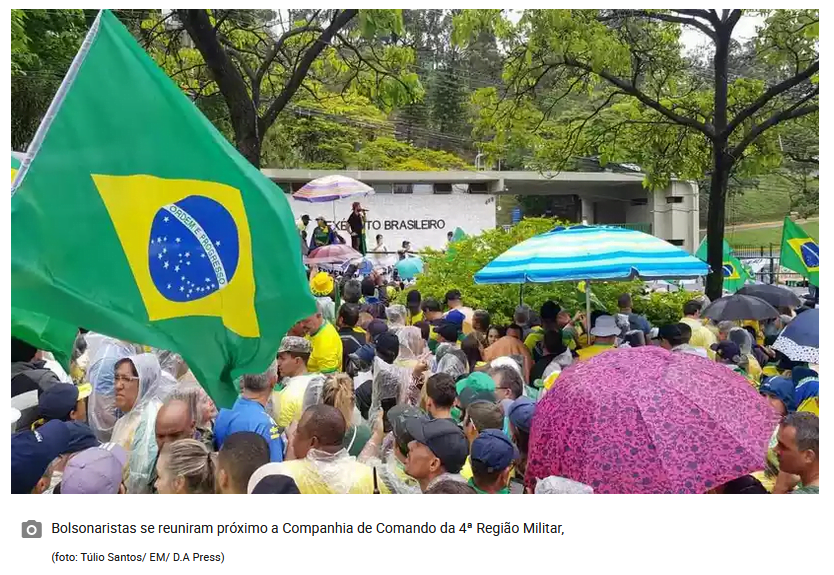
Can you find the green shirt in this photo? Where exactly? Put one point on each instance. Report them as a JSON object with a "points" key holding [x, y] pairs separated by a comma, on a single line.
{"points": [[479, 491], [810, 489]]}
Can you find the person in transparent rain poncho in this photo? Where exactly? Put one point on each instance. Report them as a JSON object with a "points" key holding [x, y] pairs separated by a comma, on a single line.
{"points": [[388, 453], [396, 316], [316, 459], [140, 390], [392, 381], [103, 353]]}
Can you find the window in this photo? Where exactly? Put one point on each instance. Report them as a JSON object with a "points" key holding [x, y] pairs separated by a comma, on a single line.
{"points": [[403, 189], [676, 242], [383, 188], [478, 188], [640, 201], [444, 189], [674, 199]]}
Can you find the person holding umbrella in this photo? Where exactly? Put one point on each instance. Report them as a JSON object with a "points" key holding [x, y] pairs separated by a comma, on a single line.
{"points": [[356, 222]]}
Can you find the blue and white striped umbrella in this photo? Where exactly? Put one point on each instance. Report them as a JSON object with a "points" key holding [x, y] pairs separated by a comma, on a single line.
{"points": [[591, 253]]}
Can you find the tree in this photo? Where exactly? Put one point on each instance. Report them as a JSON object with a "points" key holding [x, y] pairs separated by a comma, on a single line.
{"points": [[258, 60], [614, 83]]}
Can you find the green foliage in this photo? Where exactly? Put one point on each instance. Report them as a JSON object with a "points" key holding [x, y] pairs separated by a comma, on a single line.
{"points": [[442, 273]]}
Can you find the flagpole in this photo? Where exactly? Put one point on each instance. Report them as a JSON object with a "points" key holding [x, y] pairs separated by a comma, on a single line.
{"points": [[55, 105]]}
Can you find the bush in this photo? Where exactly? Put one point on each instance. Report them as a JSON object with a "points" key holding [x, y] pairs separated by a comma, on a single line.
{"points": [[456, 269]]}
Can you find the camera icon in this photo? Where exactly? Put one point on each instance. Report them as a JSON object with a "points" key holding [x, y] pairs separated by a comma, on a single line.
{"points": [[31, 529]]}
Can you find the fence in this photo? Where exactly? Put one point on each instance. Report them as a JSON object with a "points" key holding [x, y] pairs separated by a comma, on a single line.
{"points": [[763, 261]]}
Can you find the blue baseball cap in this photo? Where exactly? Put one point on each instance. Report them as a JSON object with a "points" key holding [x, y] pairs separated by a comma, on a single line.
{"points": [[455, 317], [81, 437], [521, 412], [493, 449], [57, 401], [782, 389], [34, 450]]}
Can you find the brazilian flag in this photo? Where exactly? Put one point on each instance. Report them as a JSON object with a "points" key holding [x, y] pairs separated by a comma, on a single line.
{"points": [[735, 272], [134, 217], [800, 252]]}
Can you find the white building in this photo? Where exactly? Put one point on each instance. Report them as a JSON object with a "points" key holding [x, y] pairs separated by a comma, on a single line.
{"points": [[423, 206]]}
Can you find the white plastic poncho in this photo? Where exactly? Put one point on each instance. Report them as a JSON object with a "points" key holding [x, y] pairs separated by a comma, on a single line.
{"points": [[412, 346], [389, 382], [562, 485], [135, 430], [396, 315], [450, 361], [103, 353]]}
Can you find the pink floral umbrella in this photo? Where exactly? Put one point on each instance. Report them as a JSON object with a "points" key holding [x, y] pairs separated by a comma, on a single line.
{"points": [[332, 254], [645, 420]]}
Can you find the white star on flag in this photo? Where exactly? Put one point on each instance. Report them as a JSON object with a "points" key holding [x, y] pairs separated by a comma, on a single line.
{"points": [[188, 263], [202, 255], [165, 265], [177, 240], [159, 256], [165, 219], [164, 250], [188, 254], [168, 286], [182, 288], [159, 240], [177, 268], [207, 280]]}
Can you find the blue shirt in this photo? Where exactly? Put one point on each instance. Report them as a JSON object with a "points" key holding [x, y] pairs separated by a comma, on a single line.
{"points": [[249, 415]]}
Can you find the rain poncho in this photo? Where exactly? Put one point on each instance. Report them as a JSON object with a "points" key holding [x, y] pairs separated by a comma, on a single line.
{"points": [[135, 430], [397, 316], [324, 473], [104, 352], [389, 381], [562, 485], [558, 364], [450, 361], [327, 308], [412, 347]]}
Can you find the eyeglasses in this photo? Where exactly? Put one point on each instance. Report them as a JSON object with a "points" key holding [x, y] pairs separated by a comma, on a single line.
{"points": [[124, 378]]}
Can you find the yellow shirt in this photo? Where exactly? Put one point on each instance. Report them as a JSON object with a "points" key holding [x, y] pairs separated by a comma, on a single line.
{"points": [[535, 336], [287, 403], [327, 350], [701, 336], [754, 370], [466, 470], [412, 319], [587, 353], [347, 477]]}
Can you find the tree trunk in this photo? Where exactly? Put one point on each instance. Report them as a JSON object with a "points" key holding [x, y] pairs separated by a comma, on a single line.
{"points": [[722, 163], [249, 146], [715, 220]]}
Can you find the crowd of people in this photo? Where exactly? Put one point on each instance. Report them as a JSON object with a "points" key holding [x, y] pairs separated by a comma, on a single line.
{"points": [[372, 397]]}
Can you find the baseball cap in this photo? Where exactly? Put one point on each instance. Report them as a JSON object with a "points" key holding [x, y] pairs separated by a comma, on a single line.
{"points": [[97, 470], [477, 381], [443, 438], [521, 413], [276, 485], [57, 401], [605, 326], [388, 343], [81, 437], [399, 416], [33, 451], [448, 331], [455, 317], [266, 475], [295, 344], [671, 333], [493, 449], [726, 349], [470, 395]]}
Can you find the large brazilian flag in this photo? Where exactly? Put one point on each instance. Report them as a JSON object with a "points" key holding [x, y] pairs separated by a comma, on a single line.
{"points": [[735, 273], [133, 216]]}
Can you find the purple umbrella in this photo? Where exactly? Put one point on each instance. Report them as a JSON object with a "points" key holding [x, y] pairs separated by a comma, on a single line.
{"points": [[645, 420]]}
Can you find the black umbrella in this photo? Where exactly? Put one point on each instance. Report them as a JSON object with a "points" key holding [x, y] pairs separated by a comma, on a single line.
{"points": [[737, 307], [776, 296]]}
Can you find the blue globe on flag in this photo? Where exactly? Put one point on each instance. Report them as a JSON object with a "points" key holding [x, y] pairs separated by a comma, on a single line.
{"points": [[810, 252], [193, 250]]}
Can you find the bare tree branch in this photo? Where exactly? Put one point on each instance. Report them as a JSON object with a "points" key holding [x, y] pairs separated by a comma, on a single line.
{"points": [[771, 93], [631, 90], [278, 46], [666, 17], [339, 21], [790, 113]]}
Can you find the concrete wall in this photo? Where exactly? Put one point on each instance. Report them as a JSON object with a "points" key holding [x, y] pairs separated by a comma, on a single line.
{"points": [[421, 218], [676, 221]]}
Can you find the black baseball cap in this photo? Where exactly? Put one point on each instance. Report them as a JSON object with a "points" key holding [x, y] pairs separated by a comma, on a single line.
{"points": [[57, 401], [445, 439], [449, 331], [470, 395], [726, 349]]}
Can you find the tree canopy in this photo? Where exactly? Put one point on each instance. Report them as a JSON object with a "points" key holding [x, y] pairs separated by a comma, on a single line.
{"points": [[617, 85]]}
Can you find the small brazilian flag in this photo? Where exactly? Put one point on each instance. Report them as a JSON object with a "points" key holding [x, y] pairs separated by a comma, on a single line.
{"points": [[134, 217], [735, 272], [800, 252]]}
